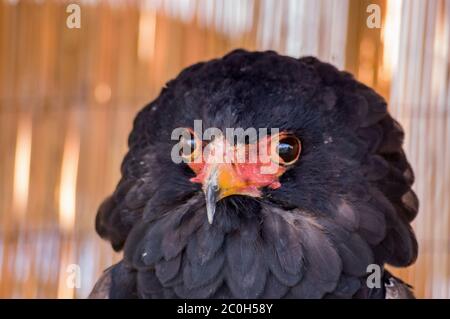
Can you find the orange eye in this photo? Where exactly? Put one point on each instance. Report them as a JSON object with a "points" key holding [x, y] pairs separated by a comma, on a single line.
{"points": [[286, 150], [191, 146]]}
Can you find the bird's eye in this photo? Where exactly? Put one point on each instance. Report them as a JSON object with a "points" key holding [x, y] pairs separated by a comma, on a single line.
{"points": [[190, 146], [287, 149]]}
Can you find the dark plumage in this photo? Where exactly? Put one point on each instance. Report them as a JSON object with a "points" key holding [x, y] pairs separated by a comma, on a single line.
{"points": [[346, 203]]}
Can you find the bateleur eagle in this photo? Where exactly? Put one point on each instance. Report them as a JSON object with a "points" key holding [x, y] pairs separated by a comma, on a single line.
{"points": [[341, 199]]}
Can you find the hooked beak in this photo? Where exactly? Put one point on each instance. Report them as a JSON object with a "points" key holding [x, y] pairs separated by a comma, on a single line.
{"points": [[212, 195], [223, 181]]}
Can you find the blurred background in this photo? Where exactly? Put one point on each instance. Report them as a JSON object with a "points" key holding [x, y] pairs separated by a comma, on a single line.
{"points": [[68, 98]]}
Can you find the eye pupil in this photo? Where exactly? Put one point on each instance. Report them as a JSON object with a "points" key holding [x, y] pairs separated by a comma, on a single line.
{"points": [[288, 149], [188, 147]]}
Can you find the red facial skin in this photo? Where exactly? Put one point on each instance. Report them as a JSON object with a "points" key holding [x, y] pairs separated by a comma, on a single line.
{"points": [[234, 177]]}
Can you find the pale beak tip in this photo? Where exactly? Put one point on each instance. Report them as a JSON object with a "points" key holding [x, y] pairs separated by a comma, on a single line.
{"points": [[210, 211], [211, 195]]}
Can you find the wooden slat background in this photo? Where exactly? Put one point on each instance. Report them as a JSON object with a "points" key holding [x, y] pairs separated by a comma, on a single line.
{"points": [[68, 98]]}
